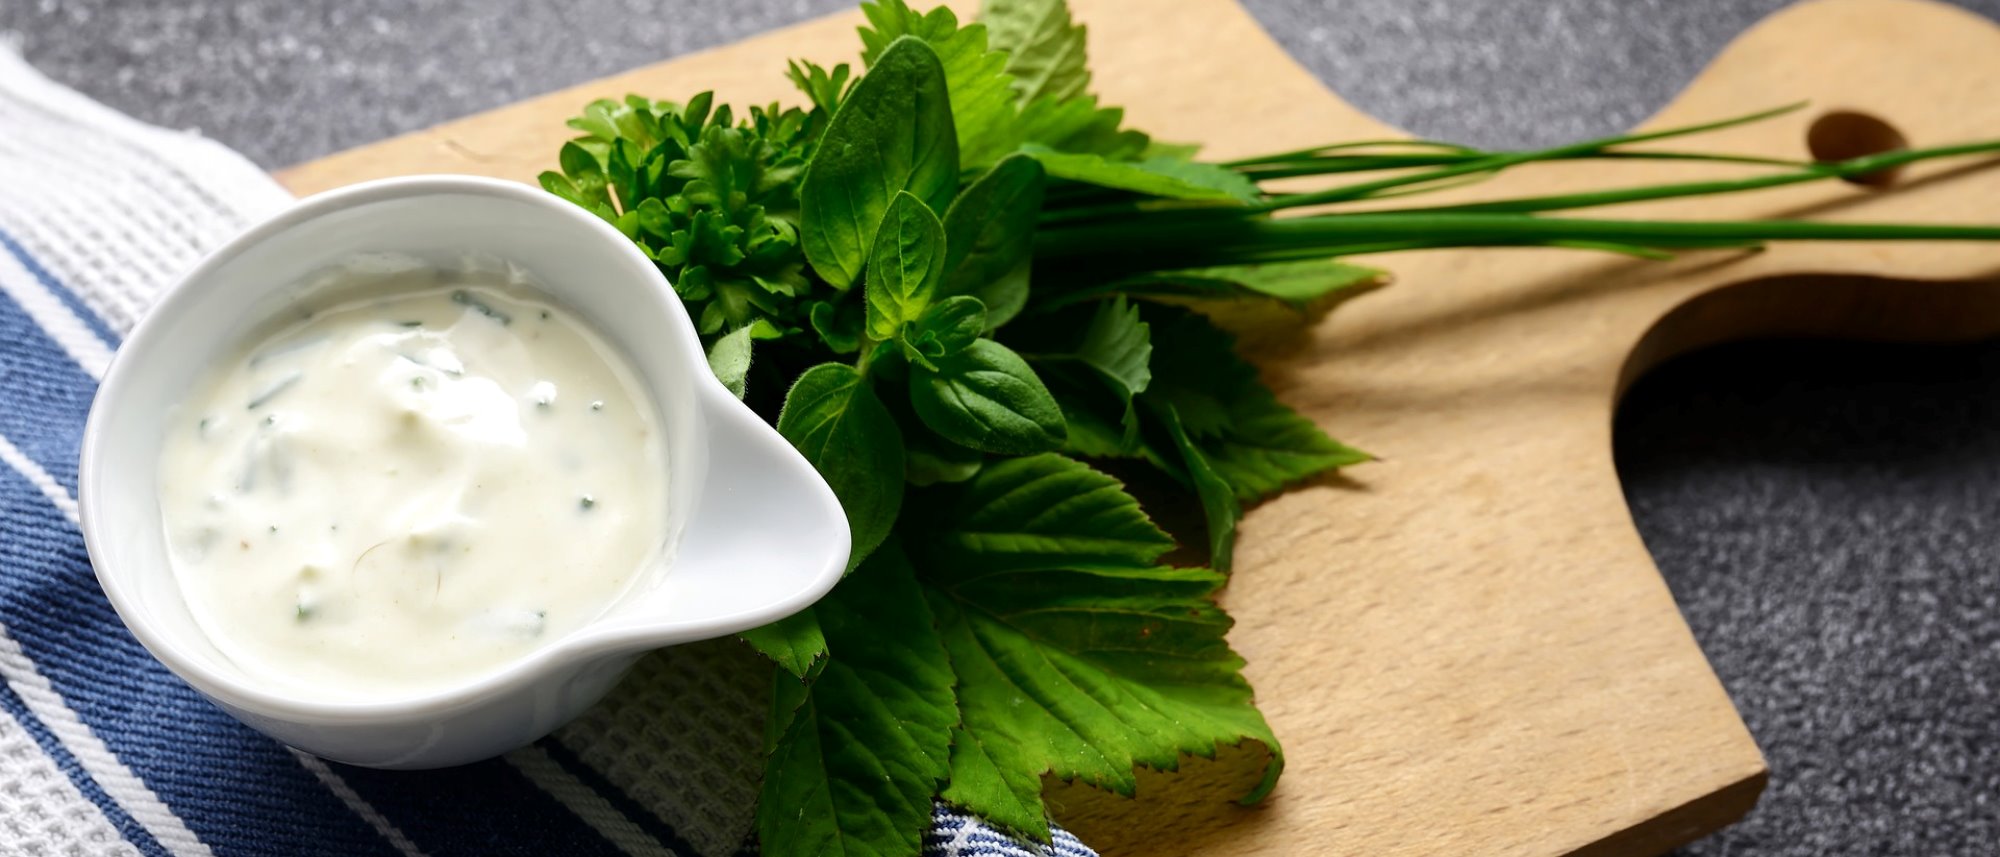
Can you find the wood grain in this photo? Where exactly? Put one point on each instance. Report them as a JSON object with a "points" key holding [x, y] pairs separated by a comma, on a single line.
{"points": [[1465, 647]]}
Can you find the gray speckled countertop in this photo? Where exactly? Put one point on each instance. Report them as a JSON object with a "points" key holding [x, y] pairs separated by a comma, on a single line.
{"points": [[1824, 513]]}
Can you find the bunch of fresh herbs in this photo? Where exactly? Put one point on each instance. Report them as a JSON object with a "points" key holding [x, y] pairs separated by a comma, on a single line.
{"points": [[962, 279]]}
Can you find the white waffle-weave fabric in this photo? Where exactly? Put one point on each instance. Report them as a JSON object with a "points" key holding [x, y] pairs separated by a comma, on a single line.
{"points": [[104, 752]]}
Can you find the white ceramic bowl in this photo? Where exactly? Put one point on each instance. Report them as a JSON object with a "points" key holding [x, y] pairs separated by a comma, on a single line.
{"points": [[753, 533]]}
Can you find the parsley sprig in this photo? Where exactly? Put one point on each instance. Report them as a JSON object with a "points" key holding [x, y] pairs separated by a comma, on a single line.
{"points": [[961, 278]]}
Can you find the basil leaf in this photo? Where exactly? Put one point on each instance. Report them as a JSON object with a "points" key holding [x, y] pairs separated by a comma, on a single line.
{"points": [[838, 325], [990, 234], [905, 267], [988, 399], [947, 328], [1164, 177], [832, 415], [729, 359], [893, 133]]}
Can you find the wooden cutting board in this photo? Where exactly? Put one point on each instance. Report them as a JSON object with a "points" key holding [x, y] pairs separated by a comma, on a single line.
{"points": [[1465, 647]]}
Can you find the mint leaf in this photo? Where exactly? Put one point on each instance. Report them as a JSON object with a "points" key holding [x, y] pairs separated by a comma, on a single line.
{"points": [[729, 359], [860, 755], [1079, 125], [990, 235], [1219, 506], [1039, 512], [1074, 656], [795, 642], [1302, 285], [1162, 177], [1269, 446], [1085, 675], [982, 100], [1118, 347], [1251, 439], [945, 329], [905, 266], [1093, 430], [832, 415], [1045, 50], [987, 398], [893, 133]]}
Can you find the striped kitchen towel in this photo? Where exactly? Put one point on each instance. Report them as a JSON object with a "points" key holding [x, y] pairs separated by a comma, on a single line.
{"points": [[102, 751]]}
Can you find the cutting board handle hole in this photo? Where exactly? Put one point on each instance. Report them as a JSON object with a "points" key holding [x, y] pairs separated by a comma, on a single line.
{"points": [[1843, 134]]}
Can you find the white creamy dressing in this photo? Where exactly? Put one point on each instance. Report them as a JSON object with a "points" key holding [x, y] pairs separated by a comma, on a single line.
{"points": [[402, 491]]}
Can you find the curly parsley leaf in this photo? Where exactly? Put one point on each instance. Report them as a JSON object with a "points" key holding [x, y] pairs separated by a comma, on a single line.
{"points": [[832, 415], [893, 134], [1046, 52], [863, 748], [987, 398]]}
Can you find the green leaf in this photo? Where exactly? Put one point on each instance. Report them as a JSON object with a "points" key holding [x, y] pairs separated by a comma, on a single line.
{"points": [[838, 324], [1118, 347], [1079, 125], [1163, 177], [1305, 284], [853, 772], [1219, 507], [932, 460], [1039, 512], [990, 234], [832, 415], [982, 108], [1251, 439], [946, 329], [1269, 446], [825, 89], [1094, 430], [905, 267], [795, 642], [1074, 655], [1085, 675], [893, 133], [987, 398], [1045, 50], [729, 359]]}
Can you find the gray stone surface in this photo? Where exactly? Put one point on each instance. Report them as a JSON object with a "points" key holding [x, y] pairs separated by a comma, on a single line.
{"points": [[1823, 512]]}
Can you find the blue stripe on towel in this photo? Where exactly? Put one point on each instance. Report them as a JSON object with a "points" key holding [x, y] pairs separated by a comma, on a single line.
{"points": [[47, 395], [662, 832], [69, 298], [485, 809], [130, 828]]}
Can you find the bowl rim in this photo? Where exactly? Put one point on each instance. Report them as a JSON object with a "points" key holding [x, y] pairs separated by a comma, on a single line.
{"points": [[580, 646]]}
